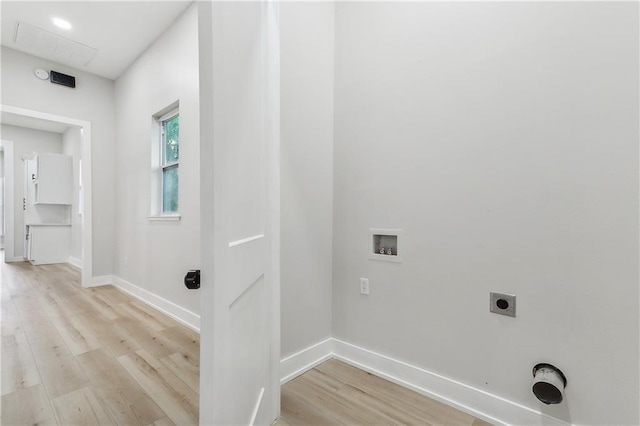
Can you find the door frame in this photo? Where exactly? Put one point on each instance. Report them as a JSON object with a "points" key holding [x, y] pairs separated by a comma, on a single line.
{"points": [[85, 155], [7, 147]]}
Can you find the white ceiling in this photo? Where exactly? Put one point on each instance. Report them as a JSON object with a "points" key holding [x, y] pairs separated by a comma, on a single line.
{"points": [[119, 30]]}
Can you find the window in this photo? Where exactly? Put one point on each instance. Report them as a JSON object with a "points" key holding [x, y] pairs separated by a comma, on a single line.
{"points": [[169, 160], [165, 164]]}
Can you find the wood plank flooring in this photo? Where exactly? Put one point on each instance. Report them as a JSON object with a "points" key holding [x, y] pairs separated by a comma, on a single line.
{"points": [[74, 356], [335, 393]]}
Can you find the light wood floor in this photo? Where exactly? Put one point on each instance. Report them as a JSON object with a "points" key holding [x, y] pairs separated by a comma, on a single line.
{"points": [[335, 393], [73, 356]]}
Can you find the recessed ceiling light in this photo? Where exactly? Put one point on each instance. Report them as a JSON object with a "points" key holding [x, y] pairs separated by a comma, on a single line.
{"points": [[61, 23]]}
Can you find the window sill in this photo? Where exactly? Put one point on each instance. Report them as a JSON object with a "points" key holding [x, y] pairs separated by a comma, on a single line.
{"points": [[164, 217]]}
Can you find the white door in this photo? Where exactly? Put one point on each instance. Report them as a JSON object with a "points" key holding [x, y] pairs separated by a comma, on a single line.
{"points": [[240, 213], [30, 170]]}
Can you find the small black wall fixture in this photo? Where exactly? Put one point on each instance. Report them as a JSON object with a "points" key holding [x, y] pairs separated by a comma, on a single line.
{"points": [[192, 279], [62, 79]]}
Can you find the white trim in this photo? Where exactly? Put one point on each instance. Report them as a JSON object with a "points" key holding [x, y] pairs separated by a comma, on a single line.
{"points": [[9, 203], [245, 240], [158, 165], [176, 312], [476, 402], [161, 304], [101, 280], [303, 361], [257, 407], [76, 262], [165, 117], [274, 217], [164, 217], [85, 154], [87, 201], [481, 404], [164, 165]]}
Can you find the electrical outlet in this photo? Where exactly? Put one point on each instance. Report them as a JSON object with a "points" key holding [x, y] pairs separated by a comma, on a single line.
{"points": [[364, 286], [502, 304]]}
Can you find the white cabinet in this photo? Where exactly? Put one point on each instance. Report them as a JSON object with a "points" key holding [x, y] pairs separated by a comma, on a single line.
{"points": [[52, 178], [48, 244], [47, 208]]}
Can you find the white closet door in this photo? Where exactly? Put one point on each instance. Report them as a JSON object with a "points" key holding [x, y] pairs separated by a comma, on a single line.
{"points": [[240, 213]]}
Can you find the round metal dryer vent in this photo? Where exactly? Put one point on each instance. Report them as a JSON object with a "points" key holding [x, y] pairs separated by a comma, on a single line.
{"points": [[548, 383]]}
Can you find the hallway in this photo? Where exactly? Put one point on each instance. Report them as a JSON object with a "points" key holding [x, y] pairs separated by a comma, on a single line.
{"points": [[91, 356], [74, 356]]}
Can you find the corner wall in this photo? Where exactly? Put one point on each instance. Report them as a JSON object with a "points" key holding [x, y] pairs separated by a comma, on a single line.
{"points": [[152, 257], [307, 51], [503, 139]]}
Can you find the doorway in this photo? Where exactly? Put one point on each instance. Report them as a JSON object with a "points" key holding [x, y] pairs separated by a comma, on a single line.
{"points": [[38, 120], [6, 148]]}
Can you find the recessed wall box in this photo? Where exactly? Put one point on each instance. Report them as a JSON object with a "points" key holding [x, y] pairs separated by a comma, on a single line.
{"points": [[62, 79], [384, 244], [502, 304]]}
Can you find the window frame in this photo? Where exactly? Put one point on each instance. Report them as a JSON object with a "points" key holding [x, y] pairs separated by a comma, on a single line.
{"points": [[163, 164], [159, 165]]}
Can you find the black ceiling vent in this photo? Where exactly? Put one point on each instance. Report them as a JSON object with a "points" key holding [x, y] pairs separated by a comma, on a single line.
{"points": [[62, 79]]}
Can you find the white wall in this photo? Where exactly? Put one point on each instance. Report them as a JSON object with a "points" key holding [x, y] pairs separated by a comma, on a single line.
{"points": [[307, 32], [2, 198], [71, 145], [26, 142], [91, 100], [155, 255], [503, 139]]}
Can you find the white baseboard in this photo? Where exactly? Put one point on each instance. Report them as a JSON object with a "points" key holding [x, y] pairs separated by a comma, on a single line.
{"points": [[476, 402], [14, 259], [102, 280], [178, 313], [300, 362], [75, 262]]}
